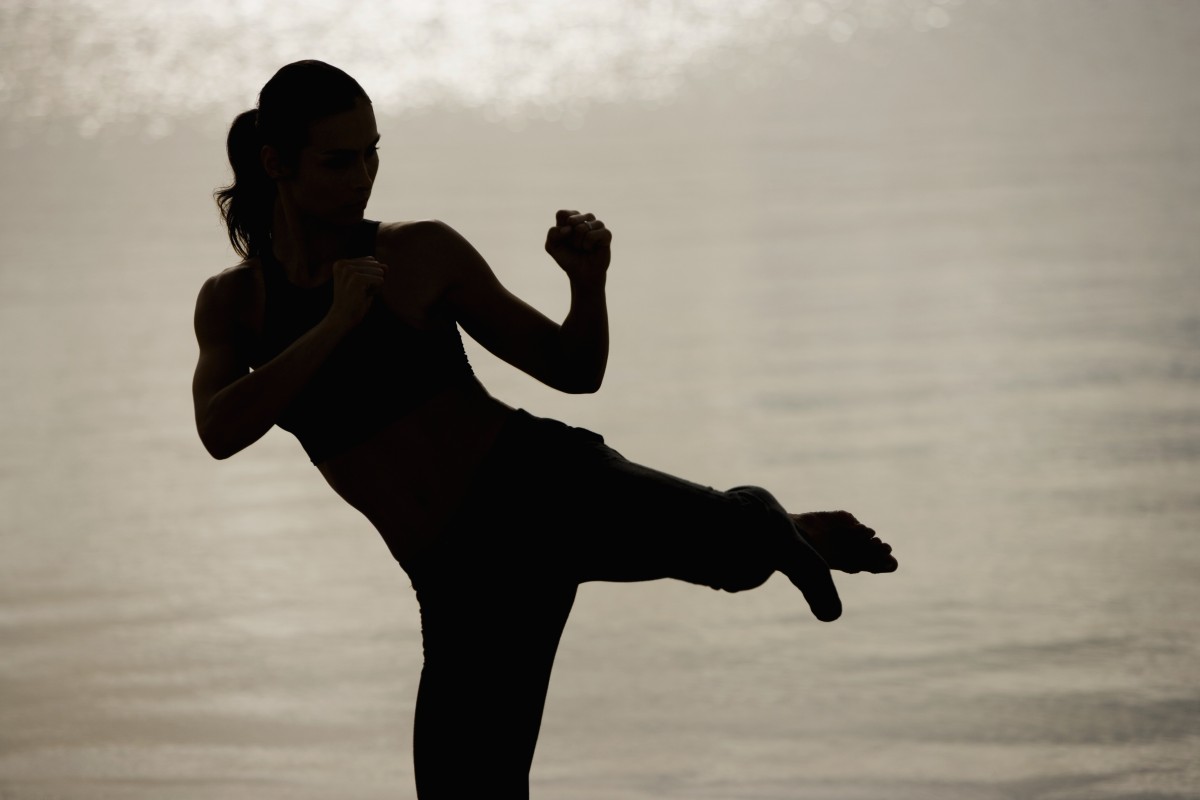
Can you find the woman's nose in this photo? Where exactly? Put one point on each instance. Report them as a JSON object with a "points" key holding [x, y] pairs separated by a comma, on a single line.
{"points": [[364, 176]]}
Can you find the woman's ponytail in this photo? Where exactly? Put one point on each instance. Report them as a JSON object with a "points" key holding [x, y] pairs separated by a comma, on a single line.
{"points": [[248, 203], [297, 95]]}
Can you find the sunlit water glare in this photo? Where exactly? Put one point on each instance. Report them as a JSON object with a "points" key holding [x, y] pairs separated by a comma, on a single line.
{"points": [[106, 61]]}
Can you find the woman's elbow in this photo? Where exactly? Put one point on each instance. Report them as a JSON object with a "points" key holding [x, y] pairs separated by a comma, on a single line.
{"points": [[592, 386], [219, 447], [581, 383], [216, 448]]}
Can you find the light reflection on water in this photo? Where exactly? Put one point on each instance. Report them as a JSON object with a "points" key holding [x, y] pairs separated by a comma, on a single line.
{"points": [[105, 61]]}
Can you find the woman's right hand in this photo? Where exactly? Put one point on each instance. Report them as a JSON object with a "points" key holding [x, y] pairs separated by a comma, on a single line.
{"points": [[356, 281]]}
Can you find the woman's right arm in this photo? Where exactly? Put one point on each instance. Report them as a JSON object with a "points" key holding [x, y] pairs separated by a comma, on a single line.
{"points": [[235, 407]]}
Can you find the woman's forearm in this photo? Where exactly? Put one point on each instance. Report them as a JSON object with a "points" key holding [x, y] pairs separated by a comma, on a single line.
{"points": [[243, 411], [583, 336]]}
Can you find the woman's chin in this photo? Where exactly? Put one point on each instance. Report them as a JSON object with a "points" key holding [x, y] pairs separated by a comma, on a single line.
{"points": [[349, 215]]}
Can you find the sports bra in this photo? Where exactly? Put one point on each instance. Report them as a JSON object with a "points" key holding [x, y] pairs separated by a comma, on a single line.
{"points": [[379, 371]]}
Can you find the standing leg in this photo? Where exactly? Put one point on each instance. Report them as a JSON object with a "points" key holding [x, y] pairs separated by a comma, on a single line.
{"points": [[493, 610], [489, 648]]}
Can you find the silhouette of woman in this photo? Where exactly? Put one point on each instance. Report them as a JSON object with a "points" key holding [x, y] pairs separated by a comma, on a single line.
{"points": [[344, 331]]}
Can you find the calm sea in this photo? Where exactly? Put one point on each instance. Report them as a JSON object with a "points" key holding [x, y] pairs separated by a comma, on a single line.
{"points": [[937, 263]]}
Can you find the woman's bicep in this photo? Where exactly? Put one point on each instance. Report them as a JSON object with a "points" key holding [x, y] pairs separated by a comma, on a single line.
{"points": [[503, 323], [221, 360], [506, 325]]}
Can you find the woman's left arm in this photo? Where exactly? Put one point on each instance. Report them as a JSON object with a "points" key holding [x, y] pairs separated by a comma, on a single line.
{"points": [[570, 357]]}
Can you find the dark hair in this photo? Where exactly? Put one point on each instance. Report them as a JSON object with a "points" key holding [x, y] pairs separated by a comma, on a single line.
{"points": [[297, 95]]}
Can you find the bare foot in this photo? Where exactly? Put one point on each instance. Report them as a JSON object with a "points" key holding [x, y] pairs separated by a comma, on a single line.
{"points": [[845, 543]]}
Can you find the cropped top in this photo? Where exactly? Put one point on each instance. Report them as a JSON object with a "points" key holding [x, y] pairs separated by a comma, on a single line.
{"points": [[380, 370]]}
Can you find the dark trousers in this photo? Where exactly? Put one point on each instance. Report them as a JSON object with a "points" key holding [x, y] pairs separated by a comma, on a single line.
{"points": [[553, 506]]}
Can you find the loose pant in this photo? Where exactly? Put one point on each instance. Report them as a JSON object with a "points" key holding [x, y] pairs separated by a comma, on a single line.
{"points": [[553, 506]]}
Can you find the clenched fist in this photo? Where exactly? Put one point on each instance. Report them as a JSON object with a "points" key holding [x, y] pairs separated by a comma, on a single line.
{"points": [[580, 245], [356, 281]]}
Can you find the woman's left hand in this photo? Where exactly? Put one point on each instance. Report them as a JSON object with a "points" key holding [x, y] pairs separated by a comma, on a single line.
{"points": [[580, 245]]}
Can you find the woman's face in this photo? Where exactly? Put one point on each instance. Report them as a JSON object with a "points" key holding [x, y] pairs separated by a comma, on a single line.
{"points": [[332, 181]]}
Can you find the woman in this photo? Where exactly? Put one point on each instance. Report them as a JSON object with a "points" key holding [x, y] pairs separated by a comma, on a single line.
{"points": [[344, 331]]}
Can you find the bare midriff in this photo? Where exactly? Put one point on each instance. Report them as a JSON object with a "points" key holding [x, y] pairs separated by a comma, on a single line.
{"points": [[410, 477]]}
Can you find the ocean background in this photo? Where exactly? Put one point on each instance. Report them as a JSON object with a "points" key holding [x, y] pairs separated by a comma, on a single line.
{"points": [[936, 263]]}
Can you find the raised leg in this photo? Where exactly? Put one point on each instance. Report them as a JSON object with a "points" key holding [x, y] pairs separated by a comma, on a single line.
{"points": [[637, 523]]}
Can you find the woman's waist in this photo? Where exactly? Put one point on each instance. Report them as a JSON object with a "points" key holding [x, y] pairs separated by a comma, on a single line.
{"points": [[349, 401], [409, 477]]}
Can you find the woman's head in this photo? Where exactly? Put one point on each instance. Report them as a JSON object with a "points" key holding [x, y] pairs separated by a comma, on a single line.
{"points": [[310, 117]]}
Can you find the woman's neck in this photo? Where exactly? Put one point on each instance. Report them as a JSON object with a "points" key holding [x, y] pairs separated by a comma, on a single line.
{"points": [[305, 248]]}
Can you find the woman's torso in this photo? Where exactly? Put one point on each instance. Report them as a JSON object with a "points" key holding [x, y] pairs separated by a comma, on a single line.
{"points": [[412, 468]]}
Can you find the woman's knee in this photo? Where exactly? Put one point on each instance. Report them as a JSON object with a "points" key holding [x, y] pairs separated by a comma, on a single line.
{"points": [[760, 496], [762, 525]]}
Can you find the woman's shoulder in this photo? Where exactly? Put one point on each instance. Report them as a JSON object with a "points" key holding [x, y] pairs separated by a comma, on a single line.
{"points": [[430, 243], [414, 233], [233, 290], [234, 280]]}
